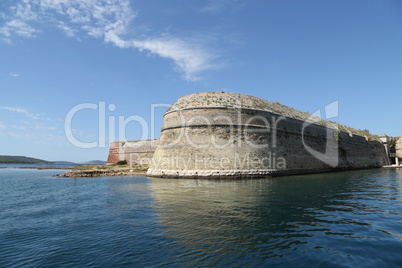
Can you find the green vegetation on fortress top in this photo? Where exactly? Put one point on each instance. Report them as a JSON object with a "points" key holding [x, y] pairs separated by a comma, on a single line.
{"points": [[235, 100]]}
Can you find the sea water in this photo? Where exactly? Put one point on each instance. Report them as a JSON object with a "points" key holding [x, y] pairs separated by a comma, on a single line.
{"points": [[344, 219]]}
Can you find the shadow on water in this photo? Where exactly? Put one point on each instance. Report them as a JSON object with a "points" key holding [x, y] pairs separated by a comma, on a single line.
{"points": [[329, 219]]}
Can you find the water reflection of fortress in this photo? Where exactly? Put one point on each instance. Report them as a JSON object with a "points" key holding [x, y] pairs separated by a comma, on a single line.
{"points": [[218, 134], [264, 218]]}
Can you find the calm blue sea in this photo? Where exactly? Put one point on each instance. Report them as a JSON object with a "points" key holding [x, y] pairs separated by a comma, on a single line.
{"points": [[346, 219], [35, 165]]}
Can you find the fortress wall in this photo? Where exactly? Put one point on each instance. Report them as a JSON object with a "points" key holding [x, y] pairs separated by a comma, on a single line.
{"points": [[245, 142], [140, 152], [398, 147], [114, 153]]}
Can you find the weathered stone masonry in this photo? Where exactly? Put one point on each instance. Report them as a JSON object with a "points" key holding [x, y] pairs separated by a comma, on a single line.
{"points": [[216, 134], [140, 152]]}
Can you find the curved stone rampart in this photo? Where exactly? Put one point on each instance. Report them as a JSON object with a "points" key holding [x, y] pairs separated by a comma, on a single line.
{"points": [[217, 134]]}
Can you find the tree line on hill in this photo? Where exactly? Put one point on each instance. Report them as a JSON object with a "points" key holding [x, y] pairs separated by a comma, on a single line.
{"points": [[11, 159]]}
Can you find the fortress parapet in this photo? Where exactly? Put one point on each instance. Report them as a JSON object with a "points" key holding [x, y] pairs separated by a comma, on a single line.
{"points": [[217, 134]]}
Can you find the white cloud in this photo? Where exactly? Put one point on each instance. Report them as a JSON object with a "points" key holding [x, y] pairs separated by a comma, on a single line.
{"points": [[24, 11], [29, 126], [215, 6], [109, 20], [70, 32], [19, 27], [7, 40], [14, 75], [188, 56], [33, 127], [22, 111]]}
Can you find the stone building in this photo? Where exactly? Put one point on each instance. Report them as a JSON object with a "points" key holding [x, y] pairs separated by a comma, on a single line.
{"points": [[398, 151], [386, 141], [393, 147]]}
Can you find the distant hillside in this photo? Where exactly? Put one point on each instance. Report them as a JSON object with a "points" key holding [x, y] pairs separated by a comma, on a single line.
{"points": [[94, 162], [64, 163], [12, 159]]}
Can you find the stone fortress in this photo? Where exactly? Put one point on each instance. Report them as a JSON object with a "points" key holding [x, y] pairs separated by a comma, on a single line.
{"points": [[140, 151], [220, 135]]}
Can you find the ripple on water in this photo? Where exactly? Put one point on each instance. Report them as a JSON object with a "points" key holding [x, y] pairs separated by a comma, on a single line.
{"points": [[338, 219]]}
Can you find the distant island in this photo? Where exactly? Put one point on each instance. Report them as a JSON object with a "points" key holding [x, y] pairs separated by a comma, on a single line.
{"points": [[11, 159], [93, 162], [14, 159]]}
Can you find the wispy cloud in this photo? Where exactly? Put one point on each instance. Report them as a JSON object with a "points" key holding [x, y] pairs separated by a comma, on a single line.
{"points": [[215, 6], [188, 56], [18, 27], [21, 111], [14, 75], [110, 21], [26, 125], [33, 127], [70, 32]]}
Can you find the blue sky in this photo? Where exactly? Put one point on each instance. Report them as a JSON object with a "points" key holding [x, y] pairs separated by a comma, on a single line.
{"points": [[57, 54]]}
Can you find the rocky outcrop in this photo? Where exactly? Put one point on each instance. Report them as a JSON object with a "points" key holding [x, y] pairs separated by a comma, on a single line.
{"points": [[100, 173]]}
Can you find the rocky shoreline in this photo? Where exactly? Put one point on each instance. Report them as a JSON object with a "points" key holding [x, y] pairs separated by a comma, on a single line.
{"points": [[94, 170], [100, 173]]}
